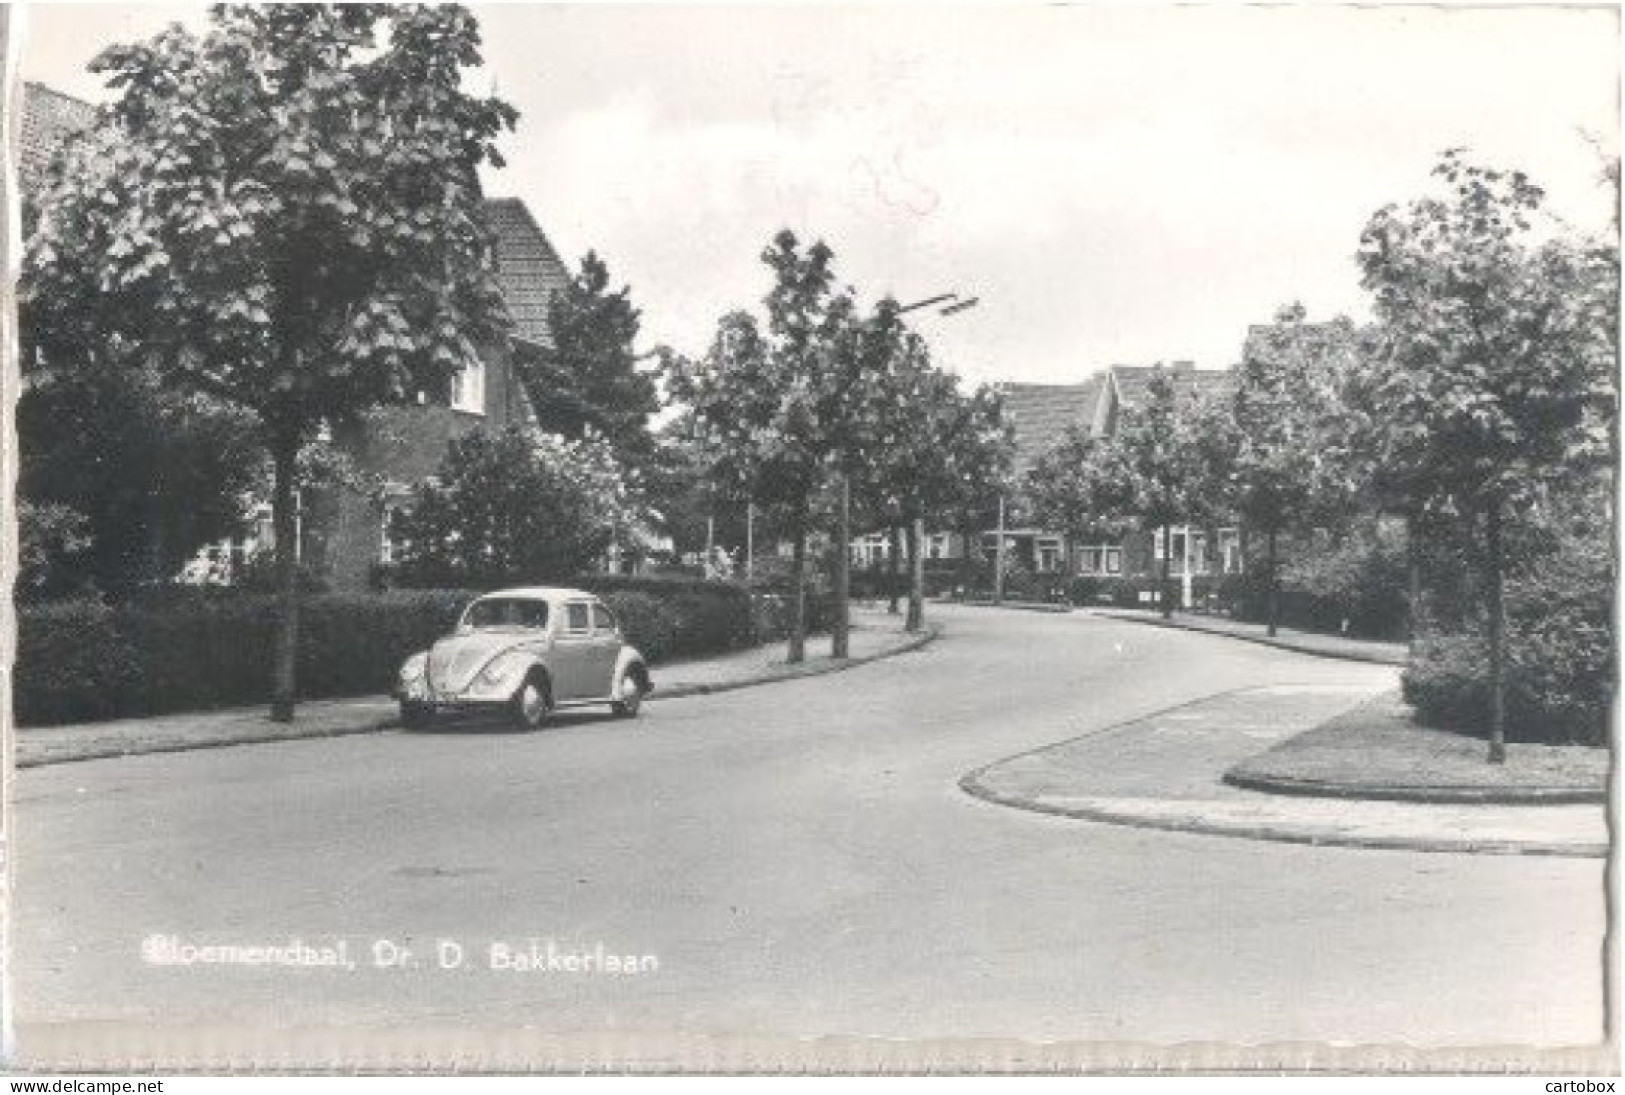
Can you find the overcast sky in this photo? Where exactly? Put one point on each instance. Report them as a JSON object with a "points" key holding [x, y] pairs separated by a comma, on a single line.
{"points": [[1117, 184]]}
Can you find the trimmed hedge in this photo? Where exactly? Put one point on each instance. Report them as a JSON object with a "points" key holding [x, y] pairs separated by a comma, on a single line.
{"points": [[1560, 661], [73, 664], [191, 650]]}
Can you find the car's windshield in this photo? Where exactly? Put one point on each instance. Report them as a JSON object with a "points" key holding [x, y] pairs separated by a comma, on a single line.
{"points": [[504, 612]]}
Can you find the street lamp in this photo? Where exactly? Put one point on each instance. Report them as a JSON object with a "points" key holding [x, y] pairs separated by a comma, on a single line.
{"points": [[959, 304]]}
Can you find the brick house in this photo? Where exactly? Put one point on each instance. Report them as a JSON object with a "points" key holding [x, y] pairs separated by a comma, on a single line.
{"points": [[1040, 415], [344, 530]]}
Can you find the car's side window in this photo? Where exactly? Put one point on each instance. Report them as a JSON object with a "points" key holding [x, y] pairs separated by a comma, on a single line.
{"points": [[601, 619], [575, 618]]}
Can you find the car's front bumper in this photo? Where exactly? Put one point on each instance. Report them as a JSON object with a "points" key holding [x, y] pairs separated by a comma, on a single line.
{"points": [[420, 695]]}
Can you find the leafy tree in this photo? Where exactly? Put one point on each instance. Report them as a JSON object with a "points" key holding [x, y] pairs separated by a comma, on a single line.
{"points": [[52, 540], [763, 398], [512, 507], [1284, 467], [936, 454], [282, 212], [586, 380], [1153, 470], [1495, 370], [154, 472]]}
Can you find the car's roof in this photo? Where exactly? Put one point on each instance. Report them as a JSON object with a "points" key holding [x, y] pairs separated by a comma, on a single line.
{"points": [[539, 593]]}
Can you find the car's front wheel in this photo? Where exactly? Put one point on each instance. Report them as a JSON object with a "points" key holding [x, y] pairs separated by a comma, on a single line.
{"points": [[631, 697], [528, 709]]}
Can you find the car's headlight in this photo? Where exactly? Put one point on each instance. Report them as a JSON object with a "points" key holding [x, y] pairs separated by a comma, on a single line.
{"points": [[413, 667]]}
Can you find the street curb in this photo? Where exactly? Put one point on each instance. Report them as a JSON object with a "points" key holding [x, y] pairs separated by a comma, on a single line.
{"points": [[1438, 796], [1373, 658], [972, 784], [392, 721], [1020, 606], [1286, 835], [374, 726], [914, 642]]}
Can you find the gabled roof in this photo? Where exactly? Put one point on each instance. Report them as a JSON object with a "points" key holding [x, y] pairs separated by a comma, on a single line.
{"points": [[528, 268], [1041, 413], [1308, 341], [49, 118], [1130, 383]]}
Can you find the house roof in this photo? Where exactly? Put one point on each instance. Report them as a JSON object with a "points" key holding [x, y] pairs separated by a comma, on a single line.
{"points": [[1132, 381], [49, 118], [1041, 413], [1308, 341], [528, 268]]}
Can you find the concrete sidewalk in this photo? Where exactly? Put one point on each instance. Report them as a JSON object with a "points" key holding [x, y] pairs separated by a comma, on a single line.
{"points": [[1287, 638], [875, 634], [1165, 772]]}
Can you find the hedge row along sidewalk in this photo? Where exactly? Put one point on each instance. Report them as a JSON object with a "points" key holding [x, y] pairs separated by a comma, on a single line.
{"points": [[874, 635]]}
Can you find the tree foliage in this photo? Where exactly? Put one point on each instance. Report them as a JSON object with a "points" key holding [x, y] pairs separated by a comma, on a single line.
{"points": [[1495, 369], [155, 472], [282, 212], [1494, 376], [768, 400], [519, 506], [586, 380]]}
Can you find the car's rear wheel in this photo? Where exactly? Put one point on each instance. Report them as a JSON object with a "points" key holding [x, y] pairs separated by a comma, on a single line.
{"points": [[631, 697], [529, 706]]}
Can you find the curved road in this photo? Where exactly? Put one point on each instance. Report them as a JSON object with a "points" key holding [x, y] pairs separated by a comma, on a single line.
{"points": [[799, 861]]}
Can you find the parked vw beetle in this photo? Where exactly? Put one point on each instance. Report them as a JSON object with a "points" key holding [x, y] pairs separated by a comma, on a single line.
{"points": [[522, 653]]}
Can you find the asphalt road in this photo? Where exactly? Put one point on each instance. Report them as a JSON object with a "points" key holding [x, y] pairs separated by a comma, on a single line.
{"points": [[798, 860]]}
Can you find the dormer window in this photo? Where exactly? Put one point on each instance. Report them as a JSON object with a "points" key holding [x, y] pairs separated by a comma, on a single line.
{"points": [[468, 389]]}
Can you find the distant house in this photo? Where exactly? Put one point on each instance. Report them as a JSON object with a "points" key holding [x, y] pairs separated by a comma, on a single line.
{"points": [[344, 532], [1041, 414]]}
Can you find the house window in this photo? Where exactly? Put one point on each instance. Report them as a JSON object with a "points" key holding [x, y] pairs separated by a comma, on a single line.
{"points": [[870, 550], [936, 546], [389, 540], [468, 388], [1230, 550], [1100, 559], [1049, 555]]}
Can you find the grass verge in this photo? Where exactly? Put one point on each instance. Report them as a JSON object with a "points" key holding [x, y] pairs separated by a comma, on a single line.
{"points": [[1377, 750]]}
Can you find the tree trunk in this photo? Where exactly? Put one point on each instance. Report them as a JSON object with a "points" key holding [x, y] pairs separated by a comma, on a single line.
{"points": [[916, 572], [285, 526], [894, 564], [1272, 582], [1166, 592], [798, 601], [1497, 622], [998, 559], [840, 628], [1413, 582]]}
